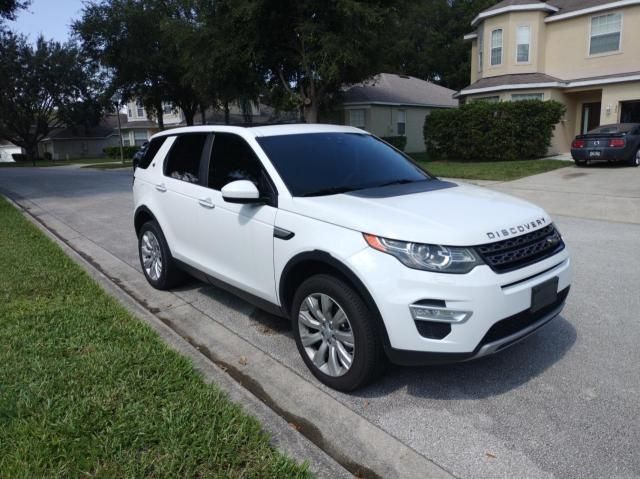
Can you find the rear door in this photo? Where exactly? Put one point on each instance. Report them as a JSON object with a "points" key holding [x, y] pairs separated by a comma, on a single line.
{"points": [[185, 201]]}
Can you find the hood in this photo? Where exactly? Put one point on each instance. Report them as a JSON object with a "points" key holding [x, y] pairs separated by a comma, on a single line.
{"points": [[453, 214]]}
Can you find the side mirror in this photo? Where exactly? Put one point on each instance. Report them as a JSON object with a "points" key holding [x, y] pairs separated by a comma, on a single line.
{"points": [[241, 191]]}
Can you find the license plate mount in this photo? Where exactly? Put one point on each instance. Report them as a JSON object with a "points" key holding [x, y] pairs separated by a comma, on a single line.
{"points": [[544, 294]]}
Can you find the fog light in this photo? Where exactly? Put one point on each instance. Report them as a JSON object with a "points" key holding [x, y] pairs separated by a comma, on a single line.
{"points": [[442, 315]]}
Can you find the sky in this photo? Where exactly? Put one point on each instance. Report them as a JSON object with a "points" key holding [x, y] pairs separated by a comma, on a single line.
{"points": [[52, 18]]}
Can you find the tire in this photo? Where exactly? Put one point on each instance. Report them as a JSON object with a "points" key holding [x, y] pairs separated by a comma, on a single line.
{"points": [[331, 295], [635, 159], [156, 261]]}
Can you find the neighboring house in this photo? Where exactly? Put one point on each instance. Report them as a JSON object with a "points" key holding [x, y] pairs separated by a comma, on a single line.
{"points": [[81, 142], [582, 53], [7, 149], [139, 126], [393, 105]]}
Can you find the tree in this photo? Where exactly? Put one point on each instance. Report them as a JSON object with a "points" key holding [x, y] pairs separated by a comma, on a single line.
{"points": [[431, 45], [218, 56], [43, 87], [136, 42], [311, 48], [8, 8]]}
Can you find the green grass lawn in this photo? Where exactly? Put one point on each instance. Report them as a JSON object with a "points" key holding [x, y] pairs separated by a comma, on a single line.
{"points": [[47, 163], [88, 390], [489, 170]]}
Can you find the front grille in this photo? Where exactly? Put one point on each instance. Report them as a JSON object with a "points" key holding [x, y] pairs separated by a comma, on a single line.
{"points": [[524, 319], [514, 253]]}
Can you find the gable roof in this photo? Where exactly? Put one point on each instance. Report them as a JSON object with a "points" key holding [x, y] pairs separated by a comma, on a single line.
{"points": [[390, 88], [557, 9]]}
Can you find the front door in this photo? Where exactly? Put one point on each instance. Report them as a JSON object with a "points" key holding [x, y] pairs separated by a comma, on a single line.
{"points": [[243, 232], [590, 116]]}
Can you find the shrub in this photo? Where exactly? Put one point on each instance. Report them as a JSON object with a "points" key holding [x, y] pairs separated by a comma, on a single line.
{"points": [[114, 151], [482, 131], [19, 157], [47, 156], [398, 141]]}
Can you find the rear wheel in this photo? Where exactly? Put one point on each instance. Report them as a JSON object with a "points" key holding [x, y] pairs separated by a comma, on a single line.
{"points": [[635, 160], [336, 333], [157, 263]]}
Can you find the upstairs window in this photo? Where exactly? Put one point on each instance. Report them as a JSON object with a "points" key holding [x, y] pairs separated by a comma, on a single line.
{"points": [[496, 47], [167, 108], [605, 33], [523, 45], [140, 111]]}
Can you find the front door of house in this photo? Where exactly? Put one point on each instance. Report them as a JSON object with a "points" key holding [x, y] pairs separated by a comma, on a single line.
{"points": [[590, 116]]}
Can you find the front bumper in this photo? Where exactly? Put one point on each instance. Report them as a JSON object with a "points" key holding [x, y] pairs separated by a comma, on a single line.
{"points": [[496, 300]]}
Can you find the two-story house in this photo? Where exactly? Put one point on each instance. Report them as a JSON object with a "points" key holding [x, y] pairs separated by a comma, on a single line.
{"points": [[582, 53]]}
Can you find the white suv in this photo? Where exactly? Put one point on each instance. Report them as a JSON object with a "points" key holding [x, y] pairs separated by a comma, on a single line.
{"points": [[367, 254]]}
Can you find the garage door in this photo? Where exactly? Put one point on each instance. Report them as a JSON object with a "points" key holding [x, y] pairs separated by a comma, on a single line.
{"points": [[630, 112]]}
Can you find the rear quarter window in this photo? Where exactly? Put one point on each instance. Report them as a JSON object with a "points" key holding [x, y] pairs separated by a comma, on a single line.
{"points": [[152, 150]]}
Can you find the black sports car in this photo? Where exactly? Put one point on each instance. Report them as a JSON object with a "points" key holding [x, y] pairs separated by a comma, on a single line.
{"points": [[619, 142]]}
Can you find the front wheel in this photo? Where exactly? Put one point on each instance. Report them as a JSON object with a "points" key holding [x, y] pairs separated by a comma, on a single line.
{"points": [[336, 333]]}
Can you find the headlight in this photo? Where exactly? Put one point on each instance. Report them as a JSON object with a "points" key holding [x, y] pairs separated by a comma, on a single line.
{"points": [[427, 257]]}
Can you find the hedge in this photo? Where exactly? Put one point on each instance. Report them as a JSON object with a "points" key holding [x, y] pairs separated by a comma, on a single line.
{"points": [[114, 151], [398, 141], [18, 157], [483, 131]]}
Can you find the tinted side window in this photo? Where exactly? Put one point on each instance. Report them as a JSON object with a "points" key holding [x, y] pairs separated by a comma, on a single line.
{"points": [[183, 161], [233, 159], [151, 150]]}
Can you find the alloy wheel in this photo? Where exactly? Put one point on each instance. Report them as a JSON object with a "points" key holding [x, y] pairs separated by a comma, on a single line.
{"points": [[326, 334], [151, 255]]}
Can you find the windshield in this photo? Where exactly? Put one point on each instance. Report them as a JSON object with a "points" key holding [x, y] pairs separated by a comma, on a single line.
{"points": [[315, 164]]}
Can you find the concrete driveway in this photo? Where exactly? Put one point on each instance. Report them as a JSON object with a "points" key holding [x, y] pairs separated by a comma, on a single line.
{"points": [[563, 403]]}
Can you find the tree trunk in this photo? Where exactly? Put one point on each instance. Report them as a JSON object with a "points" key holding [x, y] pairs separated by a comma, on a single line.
{"points": [[310, 112], [203, 114], [226, 112], [31, 151], [188, 117], [160, 114]]}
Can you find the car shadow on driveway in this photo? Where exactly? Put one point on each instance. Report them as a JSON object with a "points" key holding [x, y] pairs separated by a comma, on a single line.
{"points": [[490, 376]]}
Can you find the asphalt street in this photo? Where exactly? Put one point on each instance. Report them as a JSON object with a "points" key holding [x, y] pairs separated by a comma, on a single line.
{"points": [[563, 403]]}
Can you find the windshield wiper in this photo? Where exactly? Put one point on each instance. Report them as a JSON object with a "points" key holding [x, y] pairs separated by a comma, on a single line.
{"points": [[334, 190]]}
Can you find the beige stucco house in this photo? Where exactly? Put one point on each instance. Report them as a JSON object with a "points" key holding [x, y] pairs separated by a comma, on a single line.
{"points": [[582, 53], [393, 105]]}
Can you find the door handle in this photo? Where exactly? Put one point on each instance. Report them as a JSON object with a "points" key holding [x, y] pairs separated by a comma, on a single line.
{"points": [[161, 188], [206, 202]]}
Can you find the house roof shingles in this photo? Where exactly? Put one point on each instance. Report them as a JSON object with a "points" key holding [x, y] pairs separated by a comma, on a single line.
{"points": [[518, 79], [401, 90]]}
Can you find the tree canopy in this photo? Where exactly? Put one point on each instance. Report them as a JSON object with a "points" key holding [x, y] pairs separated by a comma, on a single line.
{"points": [[44, 86]]}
